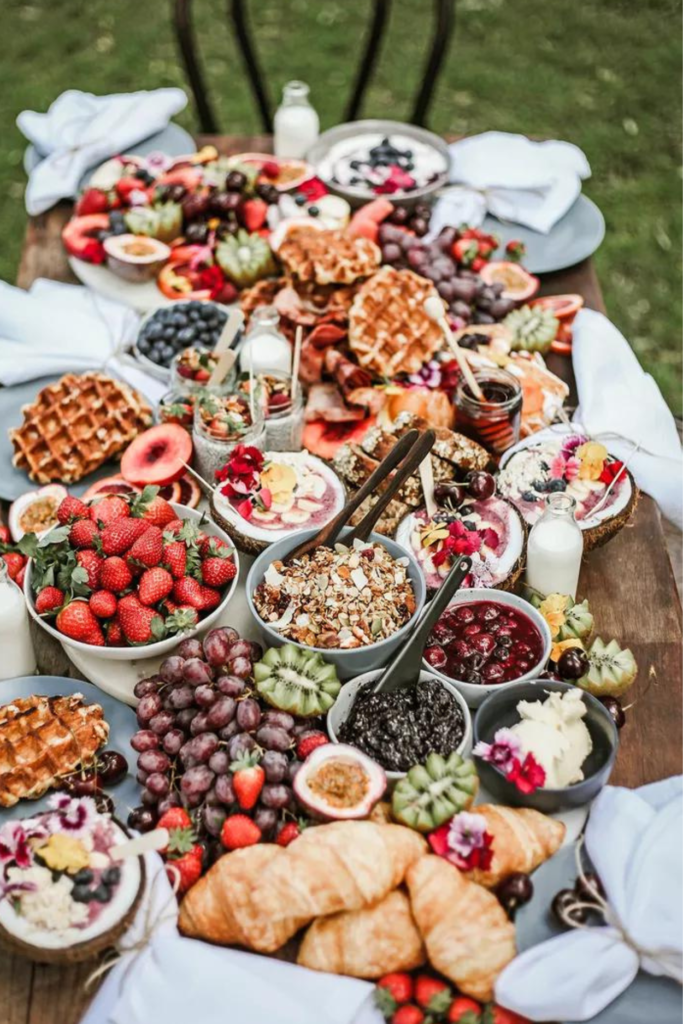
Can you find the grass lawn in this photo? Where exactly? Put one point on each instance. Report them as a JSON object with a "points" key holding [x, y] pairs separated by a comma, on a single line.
{"points": [[605, 74]]}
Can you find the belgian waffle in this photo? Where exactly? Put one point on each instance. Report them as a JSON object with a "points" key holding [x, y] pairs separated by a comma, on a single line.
{"points": [[75, 425], [389, 330], [43, 739], [328, 257]]}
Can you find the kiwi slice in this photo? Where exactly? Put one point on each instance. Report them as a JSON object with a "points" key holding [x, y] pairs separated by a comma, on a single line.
{"points": [[433, 792], [245, 258], [611, 670], [578, 621], [533, 330], [296, 681]]}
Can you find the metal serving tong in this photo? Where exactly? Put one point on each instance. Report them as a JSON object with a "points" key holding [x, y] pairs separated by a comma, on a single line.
{"points": [[404, 670], [405, 458]]}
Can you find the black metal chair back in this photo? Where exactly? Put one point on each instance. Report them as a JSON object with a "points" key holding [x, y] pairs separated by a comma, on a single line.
{"points": [[443, 16]]}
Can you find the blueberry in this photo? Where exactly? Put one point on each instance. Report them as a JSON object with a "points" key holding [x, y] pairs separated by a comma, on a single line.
{"points": [[154, 330], [205, 338], [540, 485], [207, 312], [186, 335], [102, 894], [300, 199], [313, 211], [168, 353], [557, 485], [529, 496], [111, 876], [195, 306], [168, 334], [354, 165], [179, 320], [144, 345], [83, 877], [81, 894], [194, 315]]}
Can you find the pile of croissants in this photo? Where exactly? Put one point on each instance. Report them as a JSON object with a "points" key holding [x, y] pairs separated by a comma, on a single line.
{"points": [[377, 900]]}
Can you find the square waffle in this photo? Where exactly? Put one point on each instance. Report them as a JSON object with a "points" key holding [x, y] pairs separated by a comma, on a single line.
{"points": [[389, 330], [75, 425], [328, 257]]}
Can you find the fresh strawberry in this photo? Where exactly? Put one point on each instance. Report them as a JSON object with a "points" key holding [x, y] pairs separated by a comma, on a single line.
{"points": [[217, 572], [78, 622], [115, 575], [93, 200], [183, 866], [175, 558], [83, 533], [15, 563], [210, 546], [154, 585], [210, 598], [239, 831], [478, 263], [288, 833], [49, 599], [92, 563], [271, 169], [121, 535], [499, 1015], [247, 780], [464, 1009], [148, 549], [5, 535], [181, 619], [188, 591], [124, 186], [464, 250], [109, 509], [115, 636], [176, 817], [174, 527], [158, 512], [432, 995], [21, 576], [254, 213], [70, 509], [399, 985], [140, 625], [408, 1014], [103, 604], [515, 249], [309, 742]]}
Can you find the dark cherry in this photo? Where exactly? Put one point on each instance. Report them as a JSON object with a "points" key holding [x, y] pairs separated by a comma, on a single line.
{"points": [[615, 709], [142, 819], [84, 783], [564, 908], [572, 663], [449, 494], [481, 484], [111, 767], [235, 181], [515, 891], [585, 889]]}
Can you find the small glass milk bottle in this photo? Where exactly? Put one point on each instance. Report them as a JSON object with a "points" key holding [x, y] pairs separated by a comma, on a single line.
{"points": [[18, 657], [555, 548], [297, 125], [265, 346]]}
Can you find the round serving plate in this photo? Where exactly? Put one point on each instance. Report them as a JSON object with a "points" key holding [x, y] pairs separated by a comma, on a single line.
{"points": [[143, 298], [122, 724]]}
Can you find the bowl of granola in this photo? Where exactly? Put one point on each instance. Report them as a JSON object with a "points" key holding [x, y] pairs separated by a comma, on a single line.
{"points": [[353, 604]]}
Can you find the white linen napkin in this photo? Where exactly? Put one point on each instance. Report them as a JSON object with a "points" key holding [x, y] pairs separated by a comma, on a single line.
{"points": [[81, 130], [176, 980], [633, 838], [621, 405], [513, 178], [58, 328]]}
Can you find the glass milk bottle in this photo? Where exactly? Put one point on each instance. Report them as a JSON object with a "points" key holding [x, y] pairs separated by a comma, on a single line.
{"points": [[296, 123], [265, 346], [555, 548], [18, 658]]}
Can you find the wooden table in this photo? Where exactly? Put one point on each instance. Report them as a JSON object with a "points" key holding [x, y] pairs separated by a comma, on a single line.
{"points": [[629, 584]]}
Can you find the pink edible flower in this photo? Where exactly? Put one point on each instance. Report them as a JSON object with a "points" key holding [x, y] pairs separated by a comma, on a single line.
{"points": [[464, 842], [558, 466], [527, 775], [504, 750], [14, 842], [572, 467], [77, 816]]}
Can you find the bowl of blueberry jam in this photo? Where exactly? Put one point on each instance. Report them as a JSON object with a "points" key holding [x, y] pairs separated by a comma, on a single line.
{"points": [[485, 640]]}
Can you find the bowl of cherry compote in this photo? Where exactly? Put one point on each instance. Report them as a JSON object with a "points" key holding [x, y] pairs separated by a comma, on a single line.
{"points": [[485, 640]]}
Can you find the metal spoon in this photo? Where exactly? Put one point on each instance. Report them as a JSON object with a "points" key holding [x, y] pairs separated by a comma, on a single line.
{"points": [[404, 670]]}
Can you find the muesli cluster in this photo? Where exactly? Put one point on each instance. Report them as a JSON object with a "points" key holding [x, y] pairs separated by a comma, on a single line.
{"points": [[341, 597]]}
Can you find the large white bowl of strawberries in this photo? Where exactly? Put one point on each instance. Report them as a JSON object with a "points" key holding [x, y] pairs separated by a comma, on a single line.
{"points": [[127, 577]]}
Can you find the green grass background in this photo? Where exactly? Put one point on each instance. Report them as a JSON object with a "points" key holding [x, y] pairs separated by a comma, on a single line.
{"points": [[605, 74]]}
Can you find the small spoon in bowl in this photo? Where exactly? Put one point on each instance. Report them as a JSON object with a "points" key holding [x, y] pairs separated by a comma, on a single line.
{"points": [[404, 670]]}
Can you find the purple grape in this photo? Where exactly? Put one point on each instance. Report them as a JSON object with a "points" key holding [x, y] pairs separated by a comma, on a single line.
{"points": [[240, 667], [224, 790], [199, 723], [266, 819], [197, 780], [463, 290], [171, 669], [270, 737], [240, 649], [210, 797], [190, 649], [145, 687], [216, 647], [149, 706], [248, 714], [274, 765], [213, 818], [231, 686], [158, 785], [162, 722], [191, 800], [276, 796], [187, 758], [205, 696], [165, 804], [221, 713], [154, 761], [185, 718], [391, 253], [148, 798], [173, 741], [229, 730], [243, 743], [256, 650], [281, 719], [292, 769], [196, 672], [417, 258], [204, 745], [181, 697], [141, 819], [143, 740], [219, 762], [141, 778]]}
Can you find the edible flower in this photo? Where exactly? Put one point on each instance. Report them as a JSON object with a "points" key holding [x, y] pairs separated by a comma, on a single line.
{"points": [[464, 842], [14, 841], [428, 377], [504, 750], [212, 278], [553, 609], [460, 541], [564, 467], [241, 471], [77, 816], [571, 443], [592, 456], [527, 775]]}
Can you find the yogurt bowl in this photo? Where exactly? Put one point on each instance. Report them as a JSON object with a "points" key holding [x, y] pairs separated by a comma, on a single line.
{"points": [[520, 621]]}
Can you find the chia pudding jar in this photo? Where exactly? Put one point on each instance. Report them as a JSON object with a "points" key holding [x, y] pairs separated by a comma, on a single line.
{"points": [[221, 422], [177, 407], [284, 418], [191, 370]]}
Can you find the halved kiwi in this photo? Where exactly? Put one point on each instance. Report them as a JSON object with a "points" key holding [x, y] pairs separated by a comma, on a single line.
{"points": [[433, 792], [296, 681], [611, 670]]}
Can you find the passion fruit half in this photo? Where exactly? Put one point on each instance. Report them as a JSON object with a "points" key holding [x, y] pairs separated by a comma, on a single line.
{"points": [[337, 782], [518, 284], [35, 511]]}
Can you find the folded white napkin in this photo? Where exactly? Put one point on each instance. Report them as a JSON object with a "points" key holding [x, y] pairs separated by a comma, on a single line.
{"points": [[176, 980], [59, 328], [633, 838], [513, 178], [81, 130], [621, 405]]}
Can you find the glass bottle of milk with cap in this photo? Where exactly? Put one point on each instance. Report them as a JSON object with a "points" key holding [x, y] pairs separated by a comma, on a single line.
{"points": [[555, 548], [265, 346], [296, 123], [18, 657]]}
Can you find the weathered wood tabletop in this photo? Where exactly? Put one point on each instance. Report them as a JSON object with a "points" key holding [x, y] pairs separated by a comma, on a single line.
{"points": [[629, 583]]}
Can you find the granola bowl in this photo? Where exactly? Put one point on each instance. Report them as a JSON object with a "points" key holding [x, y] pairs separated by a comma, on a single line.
{"points": [[394, 612]]}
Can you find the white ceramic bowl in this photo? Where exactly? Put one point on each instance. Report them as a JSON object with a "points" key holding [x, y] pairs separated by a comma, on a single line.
{"points": [[347, 695], [154, 369], [476, 693], [161, 646]]}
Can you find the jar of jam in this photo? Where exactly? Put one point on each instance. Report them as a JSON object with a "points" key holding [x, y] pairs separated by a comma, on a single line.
{"points": [[284, 418], [221, 422], [495, 421]]}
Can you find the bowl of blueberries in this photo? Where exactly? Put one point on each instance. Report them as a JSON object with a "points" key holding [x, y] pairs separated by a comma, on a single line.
{"points": [[166, 331]]}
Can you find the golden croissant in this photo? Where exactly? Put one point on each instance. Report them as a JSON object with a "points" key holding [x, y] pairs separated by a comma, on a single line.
{"points": [[466, 932], [365, 943], [522, 839]]}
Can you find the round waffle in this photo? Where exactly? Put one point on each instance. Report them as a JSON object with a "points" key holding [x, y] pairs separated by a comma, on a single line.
{"points": [[389, 330], [76, 425], [328, 257]]}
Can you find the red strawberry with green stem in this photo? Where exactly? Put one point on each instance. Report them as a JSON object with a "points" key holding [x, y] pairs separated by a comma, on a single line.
{"points": [[148, 549], [183, 857], [83, 533], [217, 572], [92, 563], [209, 598], [188, 591], [121, 535], [176, 817], [77, 621], [432, 995], [71, 509], [115, 575], [15, 563], [103, 604], [309, 742], [153, 509], [239, 831], [253, 214], [290, 831], [109, 509], [49, 600], [247, 780], [408, 1014], [464, 1010], [175, 558], [140, 625], [154, 585], [398, 986]]}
